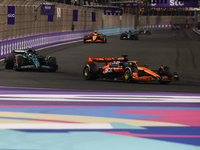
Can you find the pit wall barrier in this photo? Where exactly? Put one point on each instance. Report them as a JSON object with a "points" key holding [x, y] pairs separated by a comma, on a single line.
{"points": [[118, 30], [40, 40], [156, 26]]}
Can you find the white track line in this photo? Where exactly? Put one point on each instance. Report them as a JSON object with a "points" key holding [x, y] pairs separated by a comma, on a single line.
{"points": [[55, 126], [101, 98]]}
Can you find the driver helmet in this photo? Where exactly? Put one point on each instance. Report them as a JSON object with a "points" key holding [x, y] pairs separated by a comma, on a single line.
{"points": [[29, 55], [95, 32], [30, 49]]}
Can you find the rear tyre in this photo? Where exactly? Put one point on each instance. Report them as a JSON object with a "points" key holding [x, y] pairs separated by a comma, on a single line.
{"points": [[105, 39], [122, 36], [42, 60], [9, 61], [52, 62], [19, 61], [165, 71], [84, 39], [91, 72]]}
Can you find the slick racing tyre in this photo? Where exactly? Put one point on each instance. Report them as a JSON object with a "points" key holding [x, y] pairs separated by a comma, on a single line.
{"points": [[165, 71], [128, 74], [19, 61], [91, 72], [9, 61], [148, 33], [53, 64], [122, 36], [105, 39], [42, 60], [85, 38]]}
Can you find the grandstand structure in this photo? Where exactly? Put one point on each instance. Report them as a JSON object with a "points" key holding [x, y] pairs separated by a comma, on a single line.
{"points": [[146, 7]]}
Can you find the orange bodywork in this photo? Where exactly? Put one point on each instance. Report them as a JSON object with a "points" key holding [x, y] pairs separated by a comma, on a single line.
{"points": [[148, 71], [103, 59], [151, 75], [165, 78], [118, 69], [95, 33], [90, 61], [94, 37], [146, 78]]}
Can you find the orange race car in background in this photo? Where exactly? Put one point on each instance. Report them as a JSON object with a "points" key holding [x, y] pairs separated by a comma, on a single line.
{"points": [[95, 37], [123, 69]]}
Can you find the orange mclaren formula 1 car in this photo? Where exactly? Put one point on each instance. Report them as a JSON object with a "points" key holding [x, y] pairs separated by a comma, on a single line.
{"points": [[123, 69], [95, 37]]}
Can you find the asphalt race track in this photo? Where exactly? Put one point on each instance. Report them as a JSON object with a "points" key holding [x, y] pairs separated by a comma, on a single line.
{"points": [[177, 49], [74, 114]]}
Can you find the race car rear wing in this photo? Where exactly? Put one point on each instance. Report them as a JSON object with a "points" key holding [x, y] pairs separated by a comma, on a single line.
{"points": [[19, 51], [100, 59], [95, 33]]}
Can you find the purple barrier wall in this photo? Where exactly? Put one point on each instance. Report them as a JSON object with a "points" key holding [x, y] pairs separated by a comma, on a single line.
{"points": [[40, 40]]}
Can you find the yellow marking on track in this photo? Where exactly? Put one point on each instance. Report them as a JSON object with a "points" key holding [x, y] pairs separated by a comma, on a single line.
{"points": [[85, 119]]}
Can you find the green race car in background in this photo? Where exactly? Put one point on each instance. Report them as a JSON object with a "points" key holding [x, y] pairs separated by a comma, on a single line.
{"points": [[29, 59]]}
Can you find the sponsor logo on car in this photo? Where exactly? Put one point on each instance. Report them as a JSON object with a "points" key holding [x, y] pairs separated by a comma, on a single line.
{"points": [[46, 67], [26, 67]]}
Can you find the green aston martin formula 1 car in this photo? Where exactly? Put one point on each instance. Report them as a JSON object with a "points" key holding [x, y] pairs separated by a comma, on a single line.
{"points": [[29, 59]]}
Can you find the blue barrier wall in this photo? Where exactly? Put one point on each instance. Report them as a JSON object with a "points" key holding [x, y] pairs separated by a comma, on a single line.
{"points": [[118, 30]]}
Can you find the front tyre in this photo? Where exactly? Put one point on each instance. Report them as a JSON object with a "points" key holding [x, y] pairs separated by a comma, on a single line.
{"points": [[127, 77], [52, 63], [165, 71], [130, 74], [91, 72]]}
